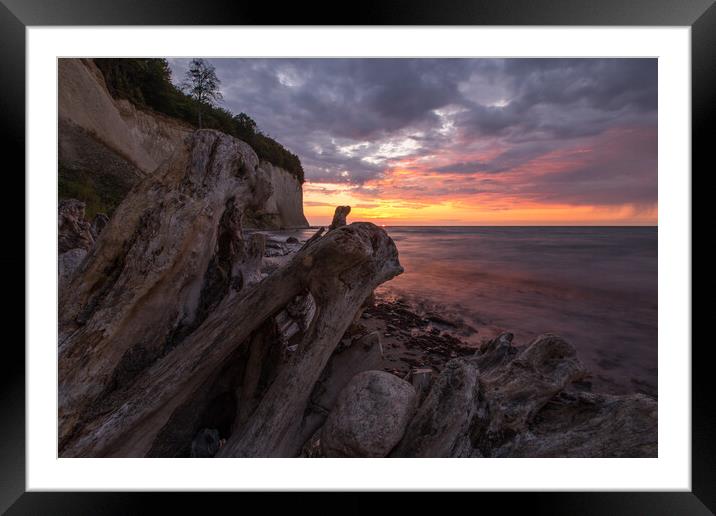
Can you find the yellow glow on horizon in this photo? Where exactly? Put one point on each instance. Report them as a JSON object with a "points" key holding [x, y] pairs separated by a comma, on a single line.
{"points": [[320, 200]]}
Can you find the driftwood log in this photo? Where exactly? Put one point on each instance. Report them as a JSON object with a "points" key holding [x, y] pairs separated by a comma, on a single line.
{"points": [[170, 294], [175, 341], [339, 217]]}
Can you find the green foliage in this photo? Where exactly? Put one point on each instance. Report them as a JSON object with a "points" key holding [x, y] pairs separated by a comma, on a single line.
{"points": [[147, 83], [101, 193]]}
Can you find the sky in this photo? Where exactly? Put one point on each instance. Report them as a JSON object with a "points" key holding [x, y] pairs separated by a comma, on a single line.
{"points": [[460, 141]]}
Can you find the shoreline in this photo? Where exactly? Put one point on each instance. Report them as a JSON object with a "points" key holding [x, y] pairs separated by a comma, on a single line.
{"points": [[418, 332]]}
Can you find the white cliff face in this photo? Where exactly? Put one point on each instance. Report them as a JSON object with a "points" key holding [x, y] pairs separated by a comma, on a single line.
{"points": [[103, 135], [285, 204], [145, 139]]}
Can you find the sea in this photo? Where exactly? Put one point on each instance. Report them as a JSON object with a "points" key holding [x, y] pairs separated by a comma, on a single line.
{"points": [[594, 286]]}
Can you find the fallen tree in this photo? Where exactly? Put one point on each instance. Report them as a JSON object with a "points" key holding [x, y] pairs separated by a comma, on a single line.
{"points": [[176, 341], [164, 299]]}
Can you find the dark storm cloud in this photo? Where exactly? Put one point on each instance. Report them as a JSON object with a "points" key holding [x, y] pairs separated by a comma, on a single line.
{"points": [[566, 98], [351, 120]]}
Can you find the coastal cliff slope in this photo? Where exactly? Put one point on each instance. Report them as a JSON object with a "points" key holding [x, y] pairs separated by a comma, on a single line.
{"points": [[106, 145]]}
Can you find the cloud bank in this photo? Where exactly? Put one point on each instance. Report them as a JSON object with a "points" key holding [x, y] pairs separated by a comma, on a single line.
{"points": [[484, 133]]}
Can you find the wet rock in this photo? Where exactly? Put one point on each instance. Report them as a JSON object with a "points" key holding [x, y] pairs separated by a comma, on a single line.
{"points": [[292, 240], [370, 416]]}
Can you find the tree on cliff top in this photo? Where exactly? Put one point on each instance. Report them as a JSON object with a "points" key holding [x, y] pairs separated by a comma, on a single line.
{"points": [[202, 84]]}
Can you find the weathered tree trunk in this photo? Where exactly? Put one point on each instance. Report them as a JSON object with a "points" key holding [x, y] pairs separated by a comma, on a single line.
{"points": [[339, 270], [339, 217], [146, 280], [169, 293], [365, 258], [507, 402]]}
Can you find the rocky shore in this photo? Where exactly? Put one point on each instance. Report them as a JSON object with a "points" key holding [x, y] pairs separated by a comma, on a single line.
{"points": [[181, 334]]}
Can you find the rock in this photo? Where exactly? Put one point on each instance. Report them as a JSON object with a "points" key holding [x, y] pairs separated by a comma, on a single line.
{"points": [[339, 217], [206, 443], [292, 240], [441, 425], [74, 231], [590, 425], [99, 221], [276, 248], [515, 391], [346, 362], [370, 416], [67, 264]]}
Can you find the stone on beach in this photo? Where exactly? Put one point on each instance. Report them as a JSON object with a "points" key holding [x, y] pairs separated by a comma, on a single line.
{"points": [[370, 416]]}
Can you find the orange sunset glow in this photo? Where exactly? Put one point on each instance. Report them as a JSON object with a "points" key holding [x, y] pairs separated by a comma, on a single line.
{"points": [[461, 141]]}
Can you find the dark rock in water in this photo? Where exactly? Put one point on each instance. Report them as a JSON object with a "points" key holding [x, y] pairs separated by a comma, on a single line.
{"points": [[74, 231], [370, 416], [276, 248], [206, 443], [292, 240]]}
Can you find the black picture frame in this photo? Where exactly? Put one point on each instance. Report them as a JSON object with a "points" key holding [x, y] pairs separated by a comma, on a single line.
{"points": [[16, 15]]}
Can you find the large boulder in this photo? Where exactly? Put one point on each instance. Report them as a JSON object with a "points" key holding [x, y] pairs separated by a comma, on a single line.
{"points": [[370, 416]]}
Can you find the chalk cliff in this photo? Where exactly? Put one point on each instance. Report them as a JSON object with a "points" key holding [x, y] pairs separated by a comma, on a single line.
{"points": [[107, 145]]}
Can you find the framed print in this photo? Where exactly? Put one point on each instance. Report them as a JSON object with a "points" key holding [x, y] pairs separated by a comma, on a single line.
{"points": [[435, 250]]}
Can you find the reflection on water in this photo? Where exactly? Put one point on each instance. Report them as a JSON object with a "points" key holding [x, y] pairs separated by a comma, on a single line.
{"points": [[597, 287]]}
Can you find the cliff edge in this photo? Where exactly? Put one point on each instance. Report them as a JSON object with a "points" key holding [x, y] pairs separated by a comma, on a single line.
{"points": [[106, 145]]}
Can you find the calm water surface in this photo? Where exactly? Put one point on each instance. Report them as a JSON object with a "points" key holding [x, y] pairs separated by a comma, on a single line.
{"points": [[595, 286]]}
